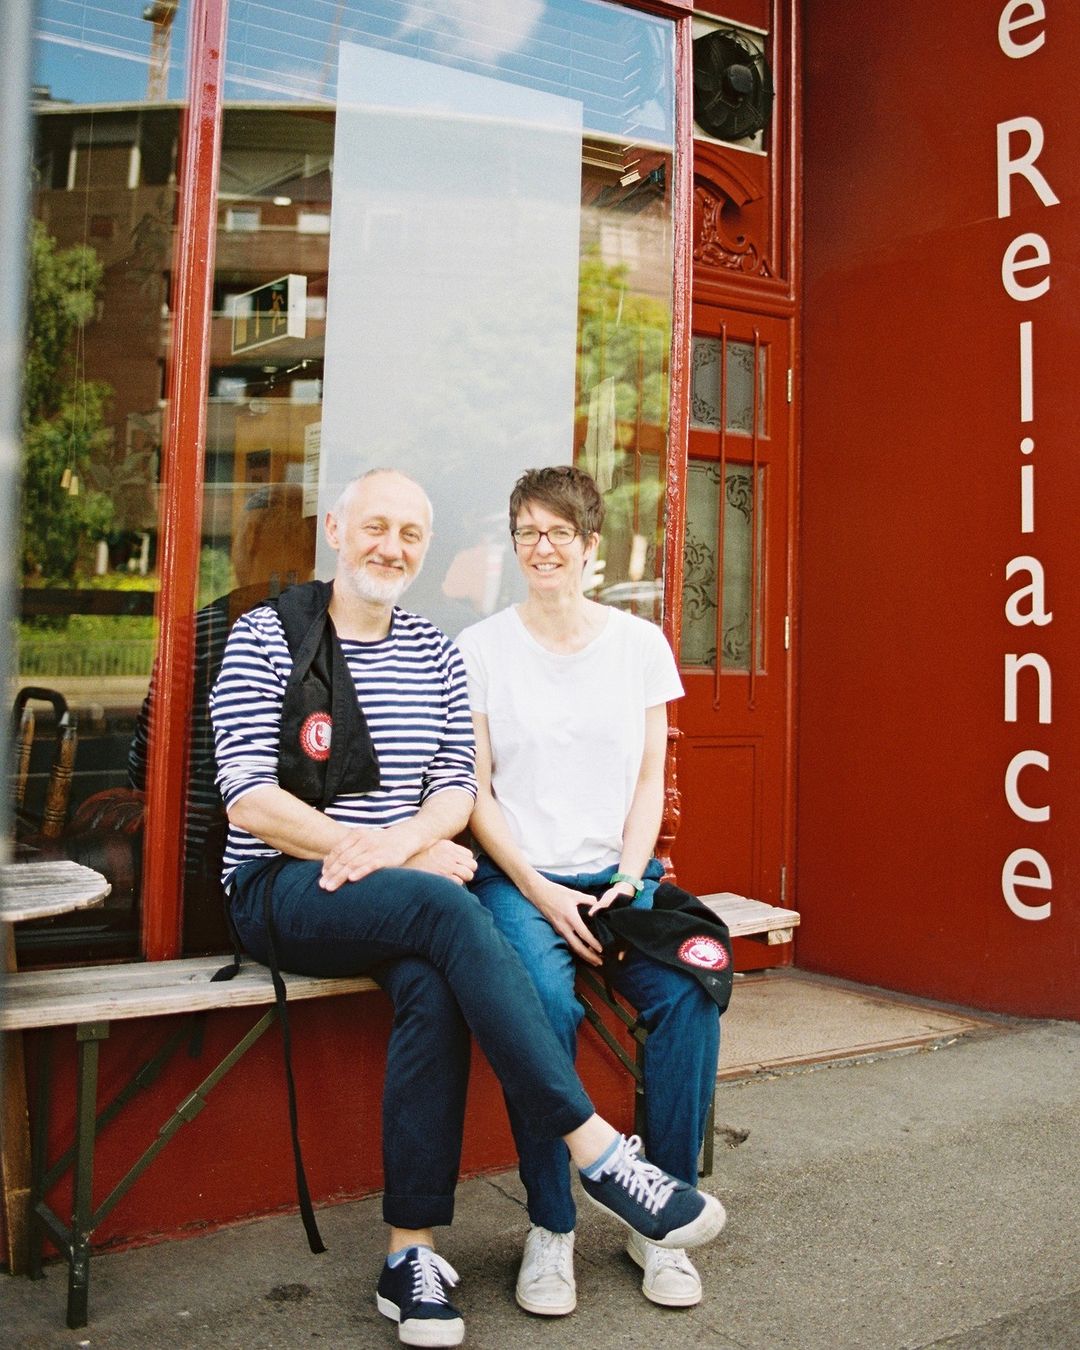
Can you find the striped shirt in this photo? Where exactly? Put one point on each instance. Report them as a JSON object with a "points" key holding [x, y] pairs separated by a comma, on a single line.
{"points": [[411, 686]]}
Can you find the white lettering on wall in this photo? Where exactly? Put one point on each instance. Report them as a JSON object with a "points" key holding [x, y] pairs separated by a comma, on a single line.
{"points": [[1027, 384], [1024, 165], [1019, 14], [1011, 877], [1037, 613], [1016, 260], [1025, 759], [1025, 276], [1027, 498], [1014, 664]]}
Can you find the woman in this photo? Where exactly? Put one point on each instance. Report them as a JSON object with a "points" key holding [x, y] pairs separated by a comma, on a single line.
{"points": [[569, 706]]}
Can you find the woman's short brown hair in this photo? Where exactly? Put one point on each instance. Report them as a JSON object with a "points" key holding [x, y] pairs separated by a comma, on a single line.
{"points": [[564, 491]]}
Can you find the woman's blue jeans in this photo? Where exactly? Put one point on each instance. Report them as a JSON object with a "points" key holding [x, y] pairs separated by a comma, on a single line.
{"points": [[447, 970], [680, 1053]]}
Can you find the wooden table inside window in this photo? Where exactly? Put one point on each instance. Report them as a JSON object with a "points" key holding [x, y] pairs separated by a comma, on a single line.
{"points": [[32, 890]]}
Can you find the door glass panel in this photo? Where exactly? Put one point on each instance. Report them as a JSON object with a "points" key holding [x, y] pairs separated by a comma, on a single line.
{"points": [[705, 385], [739, 587]]}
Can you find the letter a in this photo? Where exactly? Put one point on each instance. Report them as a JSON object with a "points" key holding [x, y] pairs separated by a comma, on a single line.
{"points": [[1038, 613]]}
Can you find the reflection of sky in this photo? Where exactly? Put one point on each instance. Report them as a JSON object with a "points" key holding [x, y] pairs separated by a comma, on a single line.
{"points": [[618, 64], [98, 51]]}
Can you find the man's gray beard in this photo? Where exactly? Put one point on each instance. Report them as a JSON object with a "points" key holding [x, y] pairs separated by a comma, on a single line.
{"points": [[375, 592]]}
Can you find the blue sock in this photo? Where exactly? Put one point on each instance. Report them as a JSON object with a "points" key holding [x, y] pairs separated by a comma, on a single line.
{"points": [[395, 1258], [595, 1170]]}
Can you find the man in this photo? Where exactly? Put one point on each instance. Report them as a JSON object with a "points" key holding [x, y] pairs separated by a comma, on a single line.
{"points": [[372, 882]]}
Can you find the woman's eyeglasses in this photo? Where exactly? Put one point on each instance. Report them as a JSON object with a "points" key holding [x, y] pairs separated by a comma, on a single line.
{"points": [[558, 535]]}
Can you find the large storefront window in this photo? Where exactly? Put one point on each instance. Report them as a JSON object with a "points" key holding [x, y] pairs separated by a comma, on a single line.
{"points": [[445, 245], [444, 242], [108, 84]]}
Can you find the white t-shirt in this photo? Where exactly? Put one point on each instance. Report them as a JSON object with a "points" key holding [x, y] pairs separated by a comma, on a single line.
{"points": [[567, 731]]}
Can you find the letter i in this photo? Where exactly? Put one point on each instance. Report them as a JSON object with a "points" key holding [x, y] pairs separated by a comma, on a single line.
{"points": [[1027, 489]]}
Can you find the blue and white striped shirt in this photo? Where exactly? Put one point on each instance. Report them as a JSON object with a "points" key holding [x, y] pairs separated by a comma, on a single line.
{"points": [[411, 686]]}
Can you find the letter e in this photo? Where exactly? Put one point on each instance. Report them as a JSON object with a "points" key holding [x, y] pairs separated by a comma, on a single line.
{"points": [[1012, 263], [1011, 877], [1010, 21]]}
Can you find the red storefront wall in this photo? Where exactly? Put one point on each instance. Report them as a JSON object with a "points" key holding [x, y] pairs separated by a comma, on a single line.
{"points": [[912, 501]]}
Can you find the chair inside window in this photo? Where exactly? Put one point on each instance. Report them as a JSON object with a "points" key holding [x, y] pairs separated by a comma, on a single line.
{"points": [[32, 826]]}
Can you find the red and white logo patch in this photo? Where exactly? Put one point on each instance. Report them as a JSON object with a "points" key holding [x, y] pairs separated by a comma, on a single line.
{"points": [[703, 951], [315, 736]]}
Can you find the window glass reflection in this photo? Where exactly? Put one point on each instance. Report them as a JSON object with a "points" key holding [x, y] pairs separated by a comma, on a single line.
{"points": [[105, 141]]}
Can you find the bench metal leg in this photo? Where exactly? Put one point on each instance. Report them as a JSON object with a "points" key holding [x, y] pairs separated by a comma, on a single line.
{"points": [[39, 1151], [89, 1035], [636, 1066], [709, 1141], [74, 1242]]}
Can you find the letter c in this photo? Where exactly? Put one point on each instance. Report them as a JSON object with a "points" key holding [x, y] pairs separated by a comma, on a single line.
{"points": [[1034, 759]]}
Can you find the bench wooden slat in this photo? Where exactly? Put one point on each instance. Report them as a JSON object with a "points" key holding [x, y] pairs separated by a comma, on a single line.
{"points": [[753, 918], [42, 998]]}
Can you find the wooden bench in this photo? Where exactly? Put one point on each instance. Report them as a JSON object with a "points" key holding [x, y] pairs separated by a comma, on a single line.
{"points": [[745, 918], [90, 999]]}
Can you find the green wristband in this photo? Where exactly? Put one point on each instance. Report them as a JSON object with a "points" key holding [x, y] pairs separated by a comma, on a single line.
{"points": [[636, 882]]}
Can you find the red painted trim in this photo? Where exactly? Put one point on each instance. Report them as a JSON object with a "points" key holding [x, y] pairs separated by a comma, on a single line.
{"points": [[679, 421], [669, 9], [792, 218], [183, 450]]}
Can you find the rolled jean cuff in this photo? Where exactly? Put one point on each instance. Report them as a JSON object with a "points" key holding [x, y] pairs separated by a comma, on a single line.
{"points": [[417, 1211], [558, 1124]]}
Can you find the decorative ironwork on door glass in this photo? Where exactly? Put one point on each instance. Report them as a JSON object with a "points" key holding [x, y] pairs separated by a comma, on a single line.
{"points": [[737, 588], [705, 385]]}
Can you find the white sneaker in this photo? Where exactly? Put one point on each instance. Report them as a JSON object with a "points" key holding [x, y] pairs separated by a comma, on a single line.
{"points": [[545, 1283], [670, 1278]]}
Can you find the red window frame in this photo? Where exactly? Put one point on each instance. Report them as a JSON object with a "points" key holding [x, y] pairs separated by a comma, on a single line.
{"points": [[184, 436]]}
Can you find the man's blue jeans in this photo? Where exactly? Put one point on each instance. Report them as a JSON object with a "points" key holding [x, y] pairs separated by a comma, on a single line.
{"points": [[448, 970], [680, 1053]]}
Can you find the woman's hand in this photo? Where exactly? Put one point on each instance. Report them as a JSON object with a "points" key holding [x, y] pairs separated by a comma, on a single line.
{"points": [[617, 892], [445, 859], [559, 905]]}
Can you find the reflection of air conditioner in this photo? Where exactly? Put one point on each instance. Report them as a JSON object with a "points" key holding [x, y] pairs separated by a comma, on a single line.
{"points": [[733, 88]]}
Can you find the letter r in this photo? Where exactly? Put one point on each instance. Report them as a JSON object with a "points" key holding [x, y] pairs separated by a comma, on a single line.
{"points": [[1025, 164]]}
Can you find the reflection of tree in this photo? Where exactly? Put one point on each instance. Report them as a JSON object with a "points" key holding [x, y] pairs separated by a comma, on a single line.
{"points": [[625, 337], [64, 426], [125, 478], [150, 239]]}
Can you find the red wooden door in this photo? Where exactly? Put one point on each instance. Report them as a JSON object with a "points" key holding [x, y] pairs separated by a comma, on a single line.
{"points": [[736, 631]]}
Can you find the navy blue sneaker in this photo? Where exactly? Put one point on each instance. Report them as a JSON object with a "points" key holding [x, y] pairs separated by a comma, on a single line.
{"points": [[413, 1294], [644, 1198]]}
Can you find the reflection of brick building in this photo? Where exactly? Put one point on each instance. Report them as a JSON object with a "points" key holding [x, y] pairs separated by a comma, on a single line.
{"points": [[107, 175]]}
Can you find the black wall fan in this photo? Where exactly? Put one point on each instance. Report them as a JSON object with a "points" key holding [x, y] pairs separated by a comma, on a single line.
{"points": [[733, 88]]}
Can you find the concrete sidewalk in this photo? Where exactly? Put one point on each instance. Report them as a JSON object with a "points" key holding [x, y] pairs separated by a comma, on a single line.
{"points": [[918, 1199]]}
